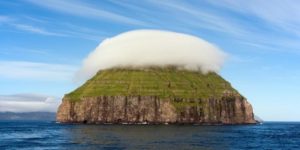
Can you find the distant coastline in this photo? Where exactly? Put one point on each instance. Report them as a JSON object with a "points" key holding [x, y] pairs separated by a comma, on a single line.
{"points": [[47, 116]]}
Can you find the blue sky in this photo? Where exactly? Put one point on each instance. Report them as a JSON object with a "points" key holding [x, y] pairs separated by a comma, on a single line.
{"points": [[42, 43]]}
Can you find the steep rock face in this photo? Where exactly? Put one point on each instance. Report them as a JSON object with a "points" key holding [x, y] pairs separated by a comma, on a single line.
{"points": [[233, 109]]}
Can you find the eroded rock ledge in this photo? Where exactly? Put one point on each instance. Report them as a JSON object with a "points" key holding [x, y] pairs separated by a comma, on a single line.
{"points": [[154, 110]]}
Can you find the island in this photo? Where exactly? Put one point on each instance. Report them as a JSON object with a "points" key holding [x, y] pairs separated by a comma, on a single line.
{"points": [[155, 95]]}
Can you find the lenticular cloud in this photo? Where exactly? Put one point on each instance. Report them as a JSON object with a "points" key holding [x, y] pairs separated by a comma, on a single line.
{"points": [[142, 48]]}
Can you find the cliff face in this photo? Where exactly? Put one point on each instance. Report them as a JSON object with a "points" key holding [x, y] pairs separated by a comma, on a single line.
{"points": [[153, 110], [155, 95]]}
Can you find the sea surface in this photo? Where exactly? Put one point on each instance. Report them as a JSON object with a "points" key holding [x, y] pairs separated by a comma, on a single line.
{"points": [[50, 135]]}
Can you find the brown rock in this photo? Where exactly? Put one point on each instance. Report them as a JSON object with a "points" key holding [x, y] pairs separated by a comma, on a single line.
{"points": [[229, 109]]}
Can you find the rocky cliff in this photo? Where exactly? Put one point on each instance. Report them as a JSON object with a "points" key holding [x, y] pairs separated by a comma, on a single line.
{"points": [[173, 97]]}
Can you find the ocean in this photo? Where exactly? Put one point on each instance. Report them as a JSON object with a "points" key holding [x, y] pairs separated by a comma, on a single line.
{"points": [[33, 135]]}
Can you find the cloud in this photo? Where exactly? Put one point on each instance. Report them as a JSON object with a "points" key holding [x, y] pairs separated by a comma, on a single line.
{"points": [[11, 21], [63, 29], [37, 30], [28, 103], [35, 71], [4, 19], [83, 32], [142, 48], [200, 18], [73, 7], [275, 26], [281, 15]]}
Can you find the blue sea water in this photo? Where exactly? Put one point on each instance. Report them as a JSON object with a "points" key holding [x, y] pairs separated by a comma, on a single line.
{"points": [[50, 135]]}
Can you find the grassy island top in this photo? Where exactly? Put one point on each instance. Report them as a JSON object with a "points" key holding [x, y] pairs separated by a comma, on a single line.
{"points": [[161, 82]]}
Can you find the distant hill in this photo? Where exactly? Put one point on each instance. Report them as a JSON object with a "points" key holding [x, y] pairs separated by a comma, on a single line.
{"points": [[49, 116]]}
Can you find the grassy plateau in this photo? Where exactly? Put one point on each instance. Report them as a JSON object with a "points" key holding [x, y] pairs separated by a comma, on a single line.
{"points": [[161, 82]]}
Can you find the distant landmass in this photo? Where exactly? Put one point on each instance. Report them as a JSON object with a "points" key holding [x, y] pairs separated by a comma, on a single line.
{"points": [[49, 116]]}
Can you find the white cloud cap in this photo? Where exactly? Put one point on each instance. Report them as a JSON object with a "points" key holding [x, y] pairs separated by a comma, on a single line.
{"points": [[141, 48]]}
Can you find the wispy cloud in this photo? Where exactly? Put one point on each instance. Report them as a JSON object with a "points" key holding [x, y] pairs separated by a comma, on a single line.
{"points": [[11, 21], [4, 19], [36, 71], [35, 25], [277, 27], [85, 10], [185, 17], [281, 21], [266, 26], [28, 103], [196, 17], [37, 30], [277, 12], [35, 19], [83, 32], [25, 51], [283, 14]]}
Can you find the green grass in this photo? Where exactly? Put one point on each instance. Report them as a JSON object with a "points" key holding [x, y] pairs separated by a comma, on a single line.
{"points": [[162, 82]]}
